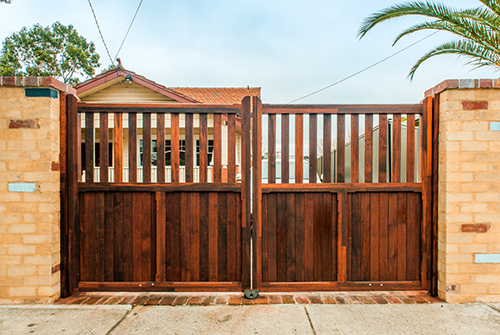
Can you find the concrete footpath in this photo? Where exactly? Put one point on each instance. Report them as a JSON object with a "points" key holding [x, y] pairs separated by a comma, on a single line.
{"points": [[476, 319]]}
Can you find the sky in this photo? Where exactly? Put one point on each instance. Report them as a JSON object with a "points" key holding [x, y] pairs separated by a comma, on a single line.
{"points": [[288, 48]]}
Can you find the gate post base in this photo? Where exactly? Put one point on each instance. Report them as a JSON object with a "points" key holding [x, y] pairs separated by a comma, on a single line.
{"points": [[251, 294]]}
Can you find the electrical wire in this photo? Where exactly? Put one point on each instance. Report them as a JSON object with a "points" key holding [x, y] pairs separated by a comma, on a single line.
{"points": [[129, 27], [363, 70], [100, 33]]}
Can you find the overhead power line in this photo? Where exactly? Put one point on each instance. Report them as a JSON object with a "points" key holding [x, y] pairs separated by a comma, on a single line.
{"points": [[129, 27], [363, 70], [100, 32]]}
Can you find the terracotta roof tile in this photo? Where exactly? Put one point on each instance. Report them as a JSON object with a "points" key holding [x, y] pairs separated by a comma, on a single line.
{"points": [[217, 95]]}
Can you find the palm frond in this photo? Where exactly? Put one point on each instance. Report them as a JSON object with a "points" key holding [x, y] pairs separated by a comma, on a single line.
{"points": [[478, 54]]}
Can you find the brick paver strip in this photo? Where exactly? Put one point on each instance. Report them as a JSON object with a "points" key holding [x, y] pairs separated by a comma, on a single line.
{"points": [[393, 300], [91, 300], [380, 300], [167, 300], [342, 300], [246, 301], [234, 300], [262, 300], [301, 299], [221, 300], [353, 299], [195, 300], [315, 299], [208, 300], [113, 300], [141, 300], [181, 300], [367, 299], [154, 299], [328, 299], [288, 299], [128, 299], [406, 300], [275, 299]]}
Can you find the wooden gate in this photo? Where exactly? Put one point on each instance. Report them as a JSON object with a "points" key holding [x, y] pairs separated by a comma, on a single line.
{"points": [[158, 202], [183, 197], [351, 210]]}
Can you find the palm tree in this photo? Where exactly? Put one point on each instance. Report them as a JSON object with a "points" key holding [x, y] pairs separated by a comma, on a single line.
{"points": [[479, 29]]}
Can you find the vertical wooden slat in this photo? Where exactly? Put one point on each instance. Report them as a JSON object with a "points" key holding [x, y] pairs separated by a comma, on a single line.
{"points": [[340, 148], [118, 147], [204, 236], [354, 148], [327, 152], [203, 148], [146, 147], [392, 266], [285, 140], [194, 226], [368, 148], [161, 234], [246, 183], [257, 191], [160, 146], [374, 236], [231, 149], [402, 231], [291, 255], [217, 148], [132, 147], [382, 149], [271, 149], [281, 240], [410, 148], [426, 242], [299, 152], [222, 237], [308, 236], [189, 148], [342, 236], [396, 157], [299, 236], [435, 193], [73, 150], [174, 144], [89, 147], [103, 147], [384, 236], [272, 255], [313, 154]]}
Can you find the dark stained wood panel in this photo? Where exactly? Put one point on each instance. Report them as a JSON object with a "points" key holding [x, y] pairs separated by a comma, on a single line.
{"points": [[203, 149], [382, 149], [327, 151], [300, 237], [396, 154], [354, 148], [340, 148], [116, 240], [385, 239], [217, 169], [410, 149]]}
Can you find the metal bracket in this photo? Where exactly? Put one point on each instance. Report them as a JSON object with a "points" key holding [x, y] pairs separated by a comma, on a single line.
{"points": [[251, 294]]}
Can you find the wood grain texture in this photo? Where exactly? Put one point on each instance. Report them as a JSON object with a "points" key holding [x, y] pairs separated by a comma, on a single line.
{"points": [[285, 155], [174, 145], [189, 136], [103, 147], [299, 145], [354, 148], [368, 148], [271, 149], [118, 147], [146, 148], [160, 137], [89, 147], [231, 149], [382, 149], [340, 148], [327, 151], [217, 169], [313, 147], [132, 147], [203, 149]]}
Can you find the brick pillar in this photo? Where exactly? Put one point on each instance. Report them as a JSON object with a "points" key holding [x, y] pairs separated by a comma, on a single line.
{"points": [[29, 189], [469, 190]]}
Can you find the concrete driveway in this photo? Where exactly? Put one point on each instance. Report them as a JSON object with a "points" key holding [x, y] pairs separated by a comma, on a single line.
{"points": [[252, 319]]}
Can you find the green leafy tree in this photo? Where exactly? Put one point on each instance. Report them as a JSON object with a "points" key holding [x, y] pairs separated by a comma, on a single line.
{"points": [[57, 51], [6, 1], [478, 29]]}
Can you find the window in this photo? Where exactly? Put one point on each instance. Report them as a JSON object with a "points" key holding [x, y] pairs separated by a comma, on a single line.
{"points": [[210, 151], [168, 152], [97, 154]]}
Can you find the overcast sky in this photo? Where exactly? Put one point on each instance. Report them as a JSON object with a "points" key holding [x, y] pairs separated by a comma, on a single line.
{"points": [[289, 48]]}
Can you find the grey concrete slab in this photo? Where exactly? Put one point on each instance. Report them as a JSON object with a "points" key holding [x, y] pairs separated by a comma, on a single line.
{"points": [[52, 319], [405, 319], [213, 320]]}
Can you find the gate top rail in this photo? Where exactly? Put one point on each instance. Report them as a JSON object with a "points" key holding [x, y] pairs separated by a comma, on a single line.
{"points": [[342, 109], [160, 108]]}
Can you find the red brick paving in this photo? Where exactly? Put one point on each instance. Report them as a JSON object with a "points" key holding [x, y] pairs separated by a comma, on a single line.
{"points": [[206, 299]]}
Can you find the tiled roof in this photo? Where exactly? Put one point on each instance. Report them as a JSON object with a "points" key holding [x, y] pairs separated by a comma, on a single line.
{"points": [[217, 95]]}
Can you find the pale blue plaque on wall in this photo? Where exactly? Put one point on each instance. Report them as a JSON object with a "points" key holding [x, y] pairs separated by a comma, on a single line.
{"points": [[22, 187], [495, 126], [487, 258]]}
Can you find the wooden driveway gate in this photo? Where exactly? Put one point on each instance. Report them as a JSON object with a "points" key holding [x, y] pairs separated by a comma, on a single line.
{"points": [[350, 211]]}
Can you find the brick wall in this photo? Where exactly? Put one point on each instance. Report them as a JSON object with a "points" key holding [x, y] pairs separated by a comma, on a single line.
{"points": [[469, 191], [29, 190]]}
